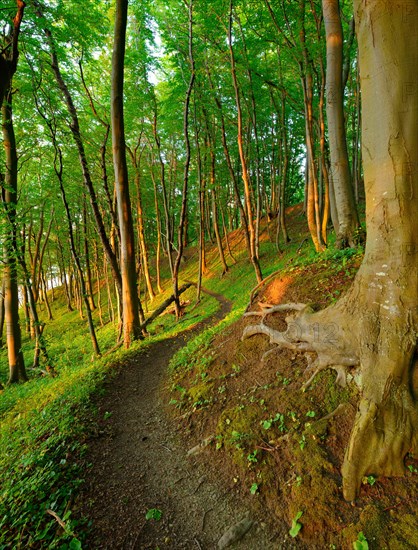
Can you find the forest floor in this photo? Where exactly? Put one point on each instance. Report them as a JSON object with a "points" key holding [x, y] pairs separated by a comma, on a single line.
{"points": [[138, 461], [265, 454]]}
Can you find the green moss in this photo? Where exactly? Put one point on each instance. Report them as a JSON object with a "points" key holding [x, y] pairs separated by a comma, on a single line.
{"points": [[384, 529], [200, 394], [405, 527], [235, 431], [317, 493]]}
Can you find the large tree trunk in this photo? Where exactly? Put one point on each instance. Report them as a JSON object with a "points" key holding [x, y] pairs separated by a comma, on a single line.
{"points": [[341, 177], [386, 289], [130, 305], [374, 326], [9, 54], [11, 294], [242, 156]]}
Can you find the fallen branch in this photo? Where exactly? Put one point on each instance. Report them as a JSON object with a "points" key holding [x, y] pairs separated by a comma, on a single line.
{"points": [[59, 521], [163, 306]]}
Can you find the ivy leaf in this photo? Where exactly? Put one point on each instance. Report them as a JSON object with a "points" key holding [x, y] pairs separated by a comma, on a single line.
{"points": [[254, 488]]}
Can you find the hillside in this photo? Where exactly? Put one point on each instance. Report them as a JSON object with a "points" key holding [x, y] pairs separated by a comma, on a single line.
{"points": [[195, 410]]}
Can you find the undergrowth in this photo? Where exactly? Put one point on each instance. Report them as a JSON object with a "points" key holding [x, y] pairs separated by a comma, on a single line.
{"points": [[45, 422]]}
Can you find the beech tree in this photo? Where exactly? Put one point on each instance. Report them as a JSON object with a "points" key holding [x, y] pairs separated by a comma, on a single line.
{"points": [[373, 327], [8, 183], [348, 222], [130, 303]]}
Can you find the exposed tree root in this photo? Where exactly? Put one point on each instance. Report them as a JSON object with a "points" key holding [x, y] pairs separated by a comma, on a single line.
{"points": [[386, 424]]}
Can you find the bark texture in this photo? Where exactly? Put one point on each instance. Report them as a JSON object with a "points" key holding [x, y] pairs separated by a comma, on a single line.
{"points": [[130, 305], [341, 176], [17, 369]]}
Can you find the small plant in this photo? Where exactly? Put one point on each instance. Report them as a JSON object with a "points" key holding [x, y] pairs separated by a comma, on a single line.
{"points": [[154, 513], [296, 526], [302, 442], [371, 480], [412, 469], [361, 542], [311, 414], [279, 419], [254, 488], [107, 415], [237, 439], [252, 457], [298, 481]]}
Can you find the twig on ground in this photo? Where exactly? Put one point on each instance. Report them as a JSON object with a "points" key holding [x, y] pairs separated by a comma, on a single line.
{"points": [[206, 512], [57, 519]]}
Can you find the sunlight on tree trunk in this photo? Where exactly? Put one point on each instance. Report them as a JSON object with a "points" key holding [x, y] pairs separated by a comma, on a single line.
{"points": [[17, 370], [130, 305]]}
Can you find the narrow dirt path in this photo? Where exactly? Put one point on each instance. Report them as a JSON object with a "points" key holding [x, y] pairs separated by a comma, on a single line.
{"points": [[138, 461]]}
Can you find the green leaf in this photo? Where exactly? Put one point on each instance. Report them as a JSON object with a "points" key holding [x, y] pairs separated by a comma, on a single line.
{"points": [[154, 513], [311, 414], [361, 542], [75, 544], [296, 526], [254, 488]]}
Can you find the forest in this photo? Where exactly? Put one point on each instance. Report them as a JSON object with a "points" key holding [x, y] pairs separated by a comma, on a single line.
{"points": [[209, 285]]}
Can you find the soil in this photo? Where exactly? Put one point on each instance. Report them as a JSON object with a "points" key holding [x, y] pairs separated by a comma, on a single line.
{"points": [[289, 442], [138, 461], [244, 399]]}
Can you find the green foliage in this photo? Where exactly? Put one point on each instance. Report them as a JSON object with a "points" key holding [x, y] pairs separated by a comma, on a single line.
{"points": [[278, 420], [371, 480], [296, 526], [254, 488], [361, 542], [252, 457], [154, 513]]}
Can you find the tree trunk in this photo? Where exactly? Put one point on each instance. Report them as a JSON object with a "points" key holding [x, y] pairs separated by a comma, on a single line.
{"points": [[140, 225], [217, 232], [82, 290], [89, 282], [9, 55], [385, 289], [1, 313], [78, 140], [130, 303], [17, 370], [183, 212], [245, 174], [348, 222]]}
